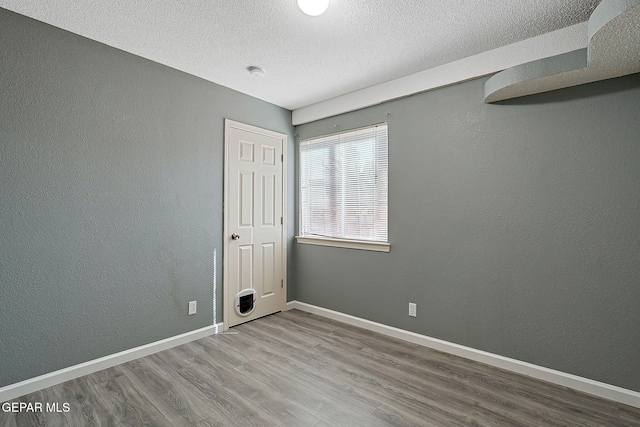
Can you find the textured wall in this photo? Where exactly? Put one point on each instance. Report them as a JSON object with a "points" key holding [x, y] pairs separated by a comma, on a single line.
{"points": [[515, 227], [111, 197]]}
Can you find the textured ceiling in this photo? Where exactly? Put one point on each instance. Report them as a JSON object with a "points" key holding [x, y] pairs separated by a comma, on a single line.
{"points": [[613, 50], [354, 45]]}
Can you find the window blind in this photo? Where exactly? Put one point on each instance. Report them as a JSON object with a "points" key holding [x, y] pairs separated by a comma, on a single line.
{"points": [[344, 185]]}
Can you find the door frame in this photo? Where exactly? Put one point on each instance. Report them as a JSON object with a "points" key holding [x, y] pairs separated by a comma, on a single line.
{"points": [[228, 124]]}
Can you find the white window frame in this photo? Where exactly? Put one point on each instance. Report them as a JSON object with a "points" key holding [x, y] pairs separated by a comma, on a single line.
{"points": [[370, 245]]}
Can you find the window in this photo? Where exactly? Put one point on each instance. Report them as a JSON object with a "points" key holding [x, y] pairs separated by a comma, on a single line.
{"points": [[344, 189]]}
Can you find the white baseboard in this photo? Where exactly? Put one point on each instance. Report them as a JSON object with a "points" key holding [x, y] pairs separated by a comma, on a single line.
{"points": [[47, 380], [585, 385]]}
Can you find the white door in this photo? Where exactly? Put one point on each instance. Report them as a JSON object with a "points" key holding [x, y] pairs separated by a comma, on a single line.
{"points": [[254, 222]]}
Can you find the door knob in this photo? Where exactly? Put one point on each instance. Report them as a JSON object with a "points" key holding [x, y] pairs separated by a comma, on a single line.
{"points": [[235, 236]]}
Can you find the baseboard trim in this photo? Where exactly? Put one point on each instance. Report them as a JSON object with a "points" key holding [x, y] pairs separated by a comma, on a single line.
{"points": [[47, 380], [596, 388]]}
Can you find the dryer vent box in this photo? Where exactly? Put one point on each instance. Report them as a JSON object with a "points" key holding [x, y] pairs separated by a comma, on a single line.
{"points": [[245, 302]]}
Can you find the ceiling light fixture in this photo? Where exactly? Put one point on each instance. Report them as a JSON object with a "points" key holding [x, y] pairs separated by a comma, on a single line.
{"points": [[256, 72], [313, 7]]}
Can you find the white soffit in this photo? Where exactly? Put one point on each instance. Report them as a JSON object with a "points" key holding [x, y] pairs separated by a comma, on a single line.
{"points": [[355, 44], [553, 43], [613, 51]]}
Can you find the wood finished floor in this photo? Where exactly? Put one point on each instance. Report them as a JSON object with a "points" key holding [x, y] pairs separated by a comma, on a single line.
{"points": [[297, 369]]}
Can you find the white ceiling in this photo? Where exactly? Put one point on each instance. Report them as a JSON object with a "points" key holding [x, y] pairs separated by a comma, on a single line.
{"points": [[354, 45], [613, 50]]}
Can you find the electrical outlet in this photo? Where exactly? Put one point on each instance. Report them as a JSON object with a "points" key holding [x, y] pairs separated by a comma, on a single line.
{"points": [[413, 309], [192, 307]]}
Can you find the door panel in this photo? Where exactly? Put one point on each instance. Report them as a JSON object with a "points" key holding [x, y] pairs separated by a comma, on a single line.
{"points": [[245, 261], [268, 200], [245, 199], [254, 208], [268, 268]]}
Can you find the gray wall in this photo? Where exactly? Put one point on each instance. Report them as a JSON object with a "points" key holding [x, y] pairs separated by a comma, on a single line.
{"points": [[111, 197], [514, 227]]}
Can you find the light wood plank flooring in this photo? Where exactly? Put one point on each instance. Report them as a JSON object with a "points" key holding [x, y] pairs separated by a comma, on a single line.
{"points": [[297, 369]]}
